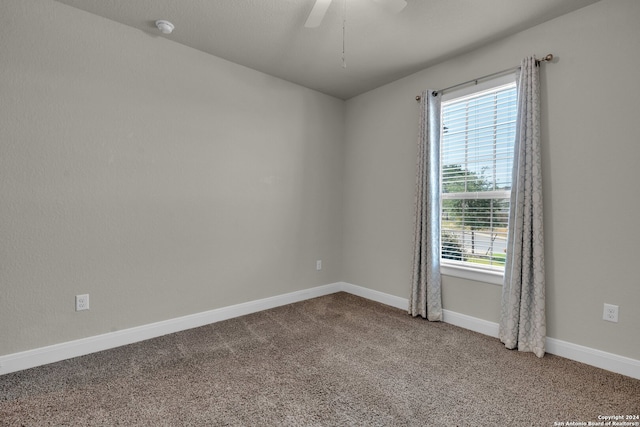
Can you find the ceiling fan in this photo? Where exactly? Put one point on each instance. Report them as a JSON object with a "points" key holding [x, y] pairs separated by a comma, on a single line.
{"points": [[320, 9]]}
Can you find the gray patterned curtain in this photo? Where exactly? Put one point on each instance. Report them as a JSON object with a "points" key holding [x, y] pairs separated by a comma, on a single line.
{"points": [[522, 319], [426, 299]]}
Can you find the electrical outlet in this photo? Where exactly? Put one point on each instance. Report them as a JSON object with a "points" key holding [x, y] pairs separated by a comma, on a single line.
{"points": [[82, 302], [610, 313], [319, 264]]}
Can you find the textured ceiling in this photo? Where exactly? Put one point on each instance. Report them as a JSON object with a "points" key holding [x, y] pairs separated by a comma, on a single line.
{"points": [[269, 35]]}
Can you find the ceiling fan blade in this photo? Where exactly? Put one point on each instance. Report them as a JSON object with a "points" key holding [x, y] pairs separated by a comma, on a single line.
{"points": [[393, 6], [317, 13]]}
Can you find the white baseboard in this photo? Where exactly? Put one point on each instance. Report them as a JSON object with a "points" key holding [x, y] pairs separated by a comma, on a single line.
{"points": [[370, 294], [67, 350], [598, 358], [54, 353], [472, 323], [590, 356]]}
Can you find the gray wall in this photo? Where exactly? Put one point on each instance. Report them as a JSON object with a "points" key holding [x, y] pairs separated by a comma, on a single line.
{"points": [[591, 148], [158, 179], [165, 182]]}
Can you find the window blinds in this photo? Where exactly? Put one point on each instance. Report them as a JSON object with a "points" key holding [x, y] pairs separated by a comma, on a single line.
{"points": [[478, 133]]}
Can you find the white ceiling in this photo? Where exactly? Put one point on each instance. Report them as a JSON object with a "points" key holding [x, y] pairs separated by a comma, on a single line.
{"points": [[269, 35]]}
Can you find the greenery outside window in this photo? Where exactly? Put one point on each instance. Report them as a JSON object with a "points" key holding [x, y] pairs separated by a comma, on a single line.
{"points": [[477, 140]]}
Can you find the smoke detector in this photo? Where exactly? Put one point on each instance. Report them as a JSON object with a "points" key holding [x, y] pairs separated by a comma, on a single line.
{"points": [[165, 27]]}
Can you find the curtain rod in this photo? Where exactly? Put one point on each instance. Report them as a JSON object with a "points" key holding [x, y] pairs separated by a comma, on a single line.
{"points": [[547, 58]]}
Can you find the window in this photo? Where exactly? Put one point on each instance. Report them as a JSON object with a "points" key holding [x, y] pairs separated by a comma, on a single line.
{"points": [[477, 140]]}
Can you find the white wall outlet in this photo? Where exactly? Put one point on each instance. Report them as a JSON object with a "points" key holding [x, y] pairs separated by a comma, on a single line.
{"points": [[610, 313], [319, 264], [82, 302]]}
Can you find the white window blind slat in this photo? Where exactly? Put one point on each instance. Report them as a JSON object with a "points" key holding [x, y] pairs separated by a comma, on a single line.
{"points": [[478, 133]]}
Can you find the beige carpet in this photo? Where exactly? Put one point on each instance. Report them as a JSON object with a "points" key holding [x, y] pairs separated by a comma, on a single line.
{"points": [[330, 361]]}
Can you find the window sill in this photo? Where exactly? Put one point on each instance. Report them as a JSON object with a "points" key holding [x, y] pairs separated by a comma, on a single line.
{"points": [[479, 275]]}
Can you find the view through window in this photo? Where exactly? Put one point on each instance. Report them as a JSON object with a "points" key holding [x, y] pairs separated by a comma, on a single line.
{"points": [[477, 140]]}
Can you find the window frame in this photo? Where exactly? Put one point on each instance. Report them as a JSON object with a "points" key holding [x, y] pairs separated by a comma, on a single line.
{"points": [[462, 269]]}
